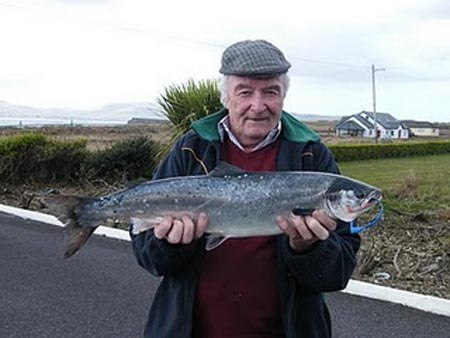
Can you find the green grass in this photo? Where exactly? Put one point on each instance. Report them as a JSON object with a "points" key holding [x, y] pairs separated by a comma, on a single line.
{"points": [[413, 184]]}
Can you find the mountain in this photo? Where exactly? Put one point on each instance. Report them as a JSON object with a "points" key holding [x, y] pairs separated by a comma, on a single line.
{"points": [[113, 113], [316, 117]]}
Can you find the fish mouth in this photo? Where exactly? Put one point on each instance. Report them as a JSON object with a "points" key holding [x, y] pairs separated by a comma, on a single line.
{"points": [[372, 199]]}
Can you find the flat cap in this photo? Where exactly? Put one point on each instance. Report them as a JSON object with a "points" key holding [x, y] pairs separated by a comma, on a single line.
{"points": [[253, 58]]}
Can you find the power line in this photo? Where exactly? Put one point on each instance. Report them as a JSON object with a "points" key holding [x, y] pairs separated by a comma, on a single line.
{"points": [[331, 63]]}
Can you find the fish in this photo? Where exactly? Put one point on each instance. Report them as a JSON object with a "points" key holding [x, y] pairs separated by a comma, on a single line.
{"points": [[238, 203]]}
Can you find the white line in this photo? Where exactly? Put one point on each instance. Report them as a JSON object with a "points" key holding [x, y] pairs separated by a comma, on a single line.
{"points": [[50, 219], [418, 301], [440, 306]]}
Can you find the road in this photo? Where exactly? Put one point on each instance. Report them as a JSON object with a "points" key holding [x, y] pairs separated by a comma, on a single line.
{"points": [[101, 292]]}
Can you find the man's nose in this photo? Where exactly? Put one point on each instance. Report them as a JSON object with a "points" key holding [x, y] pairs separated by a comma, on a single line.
{"points": [[258, 103]]}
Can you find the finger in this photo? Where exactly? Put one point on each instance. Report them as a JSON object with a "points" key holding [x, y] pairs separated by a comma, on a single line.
{"points": [[316, 228], [202, 223], [188, 229], [285, 226], [301, 227], [176, 233], [162, 229], [325, 220]]}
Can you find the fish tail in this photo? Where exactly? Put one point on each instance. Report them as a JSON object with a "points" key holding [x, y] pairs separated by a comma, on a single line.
{"points": [[67, 209], [76, 237]]}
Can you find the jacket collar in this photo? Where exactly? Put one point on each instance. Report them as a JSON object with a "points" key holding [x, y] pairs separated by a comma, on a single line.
{"points": [[292, 129]]}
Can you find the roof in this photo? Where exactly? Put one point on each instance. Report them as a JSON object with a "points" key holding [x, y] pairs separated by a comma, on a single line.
{"points": [[350, 125], [364, 121], [359, 118], [419, 124], [385, 119]]}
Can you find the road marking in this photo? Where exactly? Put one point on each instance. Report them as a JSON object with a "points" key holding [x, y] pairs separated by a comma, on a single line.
{"points": [[440, 306]]}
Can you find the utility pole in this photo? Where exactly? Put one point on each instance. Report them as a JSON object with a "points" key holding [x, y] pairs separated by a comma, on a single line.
{"points": [[374, 101]]}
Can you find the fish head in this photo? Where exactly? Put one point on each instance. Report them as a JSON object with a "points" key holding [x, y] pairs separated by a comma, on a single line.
{"points": [[348, 198]]}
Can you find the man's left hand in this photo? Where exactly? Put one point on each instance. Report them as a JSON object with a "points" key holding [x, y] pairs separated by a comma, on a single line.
{"points": [[303, 231]]}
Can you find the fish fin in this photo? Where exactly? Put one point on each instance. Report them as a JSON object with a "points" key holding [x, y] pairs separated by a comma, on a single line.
{"points": [[66, 209], [224, 169], [214, 241], [140, 224], [76, 237]]}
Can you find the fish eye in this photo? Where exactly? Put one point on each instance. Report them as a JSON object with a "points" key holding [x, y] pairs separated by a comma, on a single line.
{"points": [[359, 194]]}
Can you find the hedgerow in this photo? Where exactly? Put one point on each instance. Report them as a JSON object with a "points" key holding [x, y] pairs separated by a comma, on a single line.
{"points": [[126, 160], [344, 153], [35, 158]]}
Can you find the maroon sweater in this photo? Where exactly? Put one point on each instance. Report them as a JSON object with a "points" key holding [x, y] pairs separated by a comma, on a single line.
{"points": [[237, 292]]}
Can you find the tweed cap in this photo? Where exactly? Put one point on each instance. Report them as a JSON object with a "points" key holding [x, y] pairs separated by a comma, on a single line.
{"points": [[254, 58]]}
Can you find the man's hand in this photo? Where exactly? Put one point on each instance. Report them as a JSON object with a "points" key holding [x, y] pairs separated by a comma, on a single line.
{"points": [[303, 231], [182, 230]]}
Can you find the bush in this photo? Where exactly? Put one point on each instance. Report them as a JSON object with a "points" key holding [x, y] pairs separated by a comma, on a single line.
{"points": [[33, 157], [186, 103], [345, 153], [130, 160]]}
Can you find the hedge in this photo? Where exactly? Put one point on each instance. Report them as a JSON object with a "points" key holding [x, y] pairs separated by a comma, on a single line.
{"points": [[127, 160], [35, 158], [345, 153]]}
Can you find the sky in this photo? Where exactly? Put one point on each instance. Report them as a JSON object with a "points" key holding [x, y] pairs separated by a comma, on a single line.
{"points": [[88, 53]]}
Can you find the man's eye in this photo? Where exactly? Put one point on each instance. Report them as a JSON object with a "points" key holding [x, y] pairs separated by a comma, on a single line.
{"points": [[272, 93], [245, 93]]}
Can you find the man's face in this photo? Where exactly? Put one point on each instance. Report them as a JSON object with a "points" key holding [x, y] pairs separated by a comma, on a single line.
{"points": [[254, 107]]}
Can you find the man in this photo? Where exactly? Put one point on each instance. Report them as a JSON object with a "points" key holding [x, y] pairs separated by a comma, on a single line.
{"points": [[253, 287]]}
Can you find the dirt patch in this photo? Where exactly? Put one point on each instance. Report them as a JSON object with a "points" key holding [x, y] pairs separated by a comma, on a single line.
{"points": [[409, 255]]}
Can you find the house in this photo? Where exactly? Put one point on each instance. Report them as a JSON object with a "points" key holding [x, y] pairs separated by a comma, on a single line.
{"points": [[362, 125], [422, 128]]}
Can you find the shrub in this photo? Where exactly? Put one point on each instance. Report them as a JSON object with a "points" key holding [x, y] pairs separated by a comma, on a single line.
{"points": [[345, 153], [33, 157], [130, 160], [185, 103]]}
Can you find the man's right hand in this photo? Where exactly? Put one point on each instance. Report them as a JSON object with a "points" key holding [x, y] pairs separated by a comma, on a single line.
{"points": [[181, 230]]}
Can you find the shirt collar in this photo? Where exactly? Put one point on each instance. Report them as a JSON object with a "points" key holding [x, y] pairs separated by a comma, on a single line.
{"points": [[224, 128]]}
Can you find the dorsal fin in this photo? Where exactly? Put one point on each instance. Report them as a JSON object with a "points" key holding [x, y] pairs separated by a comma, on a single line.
{"points": [[224, 169]]}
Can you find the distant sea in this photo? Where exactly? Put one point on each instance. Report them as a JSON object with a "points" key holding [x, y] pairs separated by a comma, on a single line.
{"points": [[42, 121], [113, 114]]}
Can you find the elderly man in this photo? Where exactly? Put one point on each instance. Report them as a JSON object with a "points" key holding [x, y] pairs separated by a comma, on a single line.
{"points": [[253, 287]]}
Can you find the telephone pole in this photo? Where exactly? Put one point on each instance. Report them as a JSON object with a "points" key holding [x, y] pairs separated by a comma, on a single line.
{"points": [[375, 100]]}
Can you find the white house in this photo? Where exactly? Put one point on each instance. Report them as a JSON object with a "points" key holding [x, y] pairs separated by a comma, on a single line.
{"points": [[422, 128], [362, 124]]}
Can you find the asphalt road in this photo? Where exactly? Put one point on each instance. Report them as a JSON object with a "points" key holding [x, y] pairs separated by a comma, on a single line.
{"points": [[101, 292]]}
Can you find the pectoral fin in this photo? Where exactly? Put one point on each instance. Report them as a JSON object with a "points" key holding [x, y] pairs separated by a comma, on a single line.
{"points": [[143, 224], [214, 241]]}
